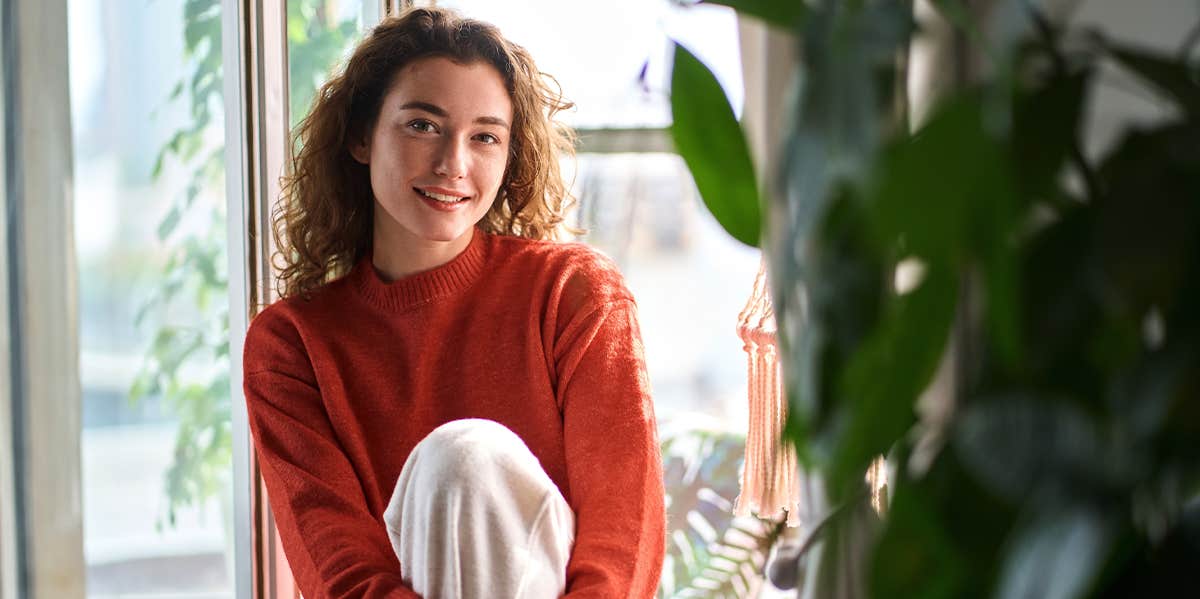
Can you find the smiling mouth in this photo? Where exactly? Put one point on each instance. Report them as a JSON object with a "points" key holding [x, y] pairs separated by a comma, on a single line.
{"points": [[441, 197]]}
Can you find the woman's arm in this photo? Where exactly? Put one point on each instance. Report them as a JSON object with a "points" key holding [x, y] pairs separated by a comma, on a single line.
{"points": [[335, 547], [614, 465]]}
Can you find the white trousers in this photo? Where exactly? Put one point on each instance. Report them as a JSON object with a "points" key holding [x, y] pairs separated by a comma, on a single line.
{"points": [[474, 515]]}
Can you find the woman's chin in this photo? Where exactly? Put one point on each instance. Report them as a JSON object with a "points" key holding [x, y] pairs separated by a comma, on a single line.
{"points": [[446, 233], [425, 226]]}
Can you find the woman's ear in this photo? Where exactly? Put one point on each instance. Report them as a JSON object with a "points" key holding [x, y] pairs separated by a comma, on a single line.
{"points": [[361, 151]]}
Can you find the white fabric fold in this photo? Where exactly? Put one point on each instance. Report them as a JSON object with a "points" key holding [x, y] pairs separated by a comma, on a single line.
{"points": [[474, 515]]}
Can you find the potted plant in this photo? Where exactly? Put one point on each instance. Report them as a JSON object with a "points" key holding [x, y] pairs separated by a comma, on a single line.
{"points": [[1054, 289]]}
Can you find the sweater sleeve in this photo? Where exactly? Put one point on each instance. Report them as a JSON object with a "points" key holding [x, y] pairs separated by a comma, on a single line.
{"points": [[335, 547], [614, 465]]}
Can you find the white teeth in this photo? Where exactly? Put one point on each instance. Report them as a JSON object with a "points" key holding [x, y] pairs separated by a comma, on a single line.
{"points": [[443, 198]]}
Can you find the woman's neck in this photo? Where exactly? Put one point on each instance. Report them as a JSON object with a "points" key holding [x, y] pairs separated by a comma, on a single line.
{"points": [[398, 254]]}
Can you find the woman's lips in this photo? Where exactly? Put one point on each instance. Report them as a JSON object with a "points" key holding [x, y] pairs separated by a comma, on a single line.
{"points": [[440, 205]]}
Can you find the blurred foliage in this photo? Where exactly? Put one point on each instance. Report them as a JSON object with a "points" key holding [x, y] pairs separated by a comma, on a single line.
{"points": [[710, 553], [1067, 462], [317, 42], [187, 363]]}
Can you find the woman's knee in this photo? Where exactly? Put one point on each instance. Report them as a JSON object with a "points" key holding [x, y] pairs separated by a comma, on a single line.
{"points": [[462, 448], [475, 453]]}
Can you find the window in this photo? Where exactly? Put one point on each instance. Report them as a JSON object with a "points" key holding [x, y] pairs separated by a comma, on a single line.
{"points": [[147, 137], [320, 34], [150, 212]]}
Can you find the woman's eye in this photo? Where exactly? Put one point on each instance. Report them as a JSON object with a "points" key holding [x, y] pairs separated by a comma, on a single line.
{"points": [[488, 138], [422, 126]]}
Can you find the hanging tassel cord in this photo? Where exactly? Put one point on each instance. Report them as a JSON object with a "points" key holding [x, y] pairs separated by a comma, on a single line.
{"points": [[770, 485]]}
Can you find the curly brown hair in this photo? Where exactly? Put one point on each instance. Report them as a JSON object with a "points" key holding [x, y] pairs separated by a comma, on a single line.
{"points": [[323, 219]]}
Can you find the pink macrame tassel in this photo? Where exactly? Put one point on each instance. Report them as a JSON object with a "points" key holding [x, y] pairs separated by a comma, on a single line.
{"points": [[770, 487]]}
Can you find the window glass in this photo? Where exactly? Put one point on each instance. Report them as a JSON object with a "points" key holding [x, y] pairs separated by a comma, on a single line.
{"points": [[597, 51], [149, 214], [320, 35], [690, 279]]}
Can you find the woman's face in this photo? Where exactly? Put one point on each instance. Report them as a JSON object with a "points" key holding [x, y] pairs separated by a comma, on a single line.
{"points": [[438, 151]]}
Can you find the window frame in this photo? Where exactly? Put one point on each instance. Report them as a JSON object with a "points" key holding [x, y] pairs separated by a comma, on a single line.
{"points": [[41, 547], [254, 47]]}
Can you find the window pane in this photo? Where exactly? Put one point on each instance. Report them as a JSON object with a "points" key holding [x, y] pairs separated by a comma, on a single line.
{"points": [[597, 50], [690, 278], [691, 281], [320, 34], [150, 233]]}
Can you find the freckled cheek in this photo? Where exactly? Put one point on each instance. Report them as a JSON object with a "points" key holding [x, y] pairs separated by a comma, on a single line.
{"points": [[410, 160], [493, 172]]}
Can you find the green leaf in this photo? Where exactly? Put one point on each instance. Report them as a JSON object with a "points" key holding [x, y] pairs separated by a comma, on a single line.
{"points": [[1018, 445], [1045, 128], [1045, 124], [926, 203], [967, 214], [1149, 220], [1062, 309], [167, 225], [788, 14], [917, 556], [709, 139], [1056, 555], [141, 387], [843, 293], [884, 378], [204, 30], [194, 10]]}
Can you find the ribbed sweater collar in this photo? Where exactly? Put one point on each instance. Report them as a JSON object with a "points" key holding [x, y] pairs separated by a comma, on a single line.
{"points": [[423, 287]]}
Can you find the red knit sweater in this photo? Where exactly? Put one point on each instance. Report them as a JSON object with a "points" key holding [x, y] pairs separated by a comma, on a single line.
{"points": [[538, 336]]}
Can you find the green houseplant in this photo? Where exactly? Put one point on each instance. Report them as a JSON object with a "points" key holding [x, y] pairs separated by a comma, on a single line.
{"points": [[1057, 288]]}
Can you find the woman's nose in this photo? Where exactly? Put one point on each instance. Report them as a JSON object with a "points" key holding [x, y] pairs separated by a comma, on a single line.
{"points": [[451, 161]]}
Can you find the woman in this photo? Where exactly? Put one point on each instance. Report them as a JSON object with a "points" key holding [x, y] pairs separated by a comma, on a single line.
{"points": [[446, 402]]}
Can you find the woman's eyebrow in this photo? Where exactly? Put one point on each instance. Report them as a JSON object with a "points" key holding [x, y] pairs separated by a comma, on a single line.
{"points": [[492, 120], [434, 109], [426, 106]]}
